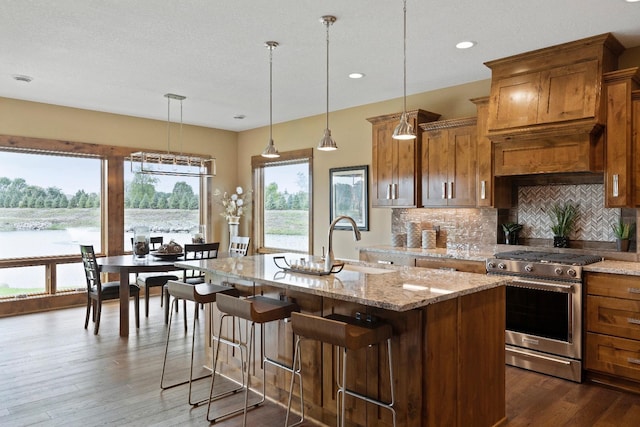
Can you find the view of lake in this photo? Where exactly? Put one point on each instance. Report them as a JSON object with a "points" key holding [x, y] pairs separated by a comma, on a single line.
{"points": [[54, 242]]}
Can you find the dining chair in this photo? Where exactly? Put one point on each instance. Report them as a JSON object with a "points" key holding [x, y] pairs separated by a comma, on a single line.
{"points": [[98, 291], [148, 281], [238, 246], [192, 252]]}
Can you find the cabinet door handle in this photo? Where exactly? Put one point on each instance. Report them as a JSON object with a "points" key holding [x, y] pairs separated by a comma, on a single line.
{"points": [[633, 360], [444, 190], [634, 290], [381, 261], [394, 192], [615, 185], [451, 190], [633, 321], [483, 190], [389, 192]]}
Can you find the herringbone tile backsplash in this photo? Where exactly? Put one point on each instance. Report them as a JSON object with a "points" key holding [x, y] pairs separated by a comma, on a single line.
{"points": [[478, 229], [534, 203]]}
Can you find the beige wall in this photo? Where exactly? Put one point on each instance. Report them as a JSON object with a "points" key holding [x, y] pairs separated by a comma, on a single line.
{"points": [[352, 133], [37, 120]]}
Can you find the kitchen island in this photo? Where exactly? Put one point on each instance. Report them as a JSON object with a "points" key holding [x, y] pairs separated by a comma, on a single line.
{"points": [[448, 353]]}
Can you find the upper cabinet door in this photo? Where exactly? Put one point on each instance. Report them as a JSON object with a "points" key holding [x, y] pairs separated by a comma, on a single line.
{"points": [[383, 164], [514, 101], [396, 163], [568, 92], [449, 157]]}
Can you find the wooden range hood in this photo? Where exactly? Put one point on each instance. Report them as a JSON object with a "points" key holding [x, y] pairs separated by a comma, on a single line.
{"points": [[547, 109]]}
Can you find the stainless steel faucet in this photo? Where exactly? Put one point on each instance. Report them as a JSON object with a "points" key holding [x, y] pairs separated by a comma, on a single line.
{"points": [[328, 261]]}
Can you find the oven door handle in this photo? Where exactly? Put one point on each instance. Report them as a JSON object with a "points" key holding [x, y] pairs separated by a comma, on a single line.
{"points": [[539, 356], [542, 286]]}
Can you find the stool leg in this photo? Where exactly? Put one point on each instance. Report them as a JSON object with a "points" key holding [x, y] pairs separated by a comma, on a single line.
{"points": [[166, 351], [214, 363], [166, 347], [344, 385], [297, 359], [391, 384]]}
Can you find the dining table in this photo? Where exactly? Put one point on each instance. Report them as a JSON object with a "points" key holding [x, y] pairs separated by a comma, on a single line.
{"points": [[127, 264]]}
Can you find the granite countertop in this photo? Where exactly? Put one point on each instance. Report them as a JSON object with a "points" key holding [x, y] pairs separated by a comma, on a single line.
{"points": [[628, 268], [461, 254], [393, 288]]}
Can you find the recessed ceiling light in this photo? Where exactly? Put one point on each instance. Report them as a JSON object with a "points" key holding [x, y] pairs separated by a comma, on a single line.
{"points": [[22, 78], [631, 1], [465, 44], [239, 116], [356, 75]]}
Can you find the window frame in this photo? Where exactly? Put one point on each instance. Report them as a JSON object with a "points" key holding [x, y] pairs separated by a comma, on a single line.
{"points": [[113, 159], [258, 163]]}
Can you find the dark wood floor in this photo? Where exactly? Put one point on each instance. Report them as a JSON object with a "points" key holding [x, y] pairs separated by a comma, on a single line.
{"points": [[53, 372]]}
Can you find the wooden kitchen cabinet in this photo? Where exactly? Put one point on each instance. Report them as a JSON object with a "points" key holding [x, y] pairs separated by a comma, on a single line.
{"points": [[449, 163], [612, 350], [386, 258], [556, 84], [396, 163], [619, 177], [467, 266], [491, 191], [558, 94]]}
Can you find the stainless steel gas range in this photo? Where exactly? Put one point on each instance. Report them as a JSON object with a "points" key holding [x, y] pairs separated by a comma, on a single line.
{"points": [[544, 310]]}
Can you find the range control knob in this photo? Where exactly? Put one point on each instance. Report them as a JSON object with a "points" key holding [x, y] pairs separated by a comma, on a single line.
{"points": [[558, 271], [502, 266], [528, 268], [571, 272], [491, 264]]}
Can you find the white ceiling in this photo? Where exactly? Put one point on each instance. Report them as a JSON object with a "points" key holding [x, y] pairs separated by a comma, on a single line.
{"points": [[122, 56]]}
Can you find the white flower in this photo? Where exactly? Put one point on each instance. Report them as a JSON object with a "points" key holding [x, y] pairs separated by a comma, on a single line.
{"points": [[232, 203]]}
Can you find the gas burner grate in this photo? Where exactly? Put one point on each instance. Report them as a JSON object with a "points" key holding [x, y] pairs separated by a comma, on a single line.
{"points": [[549, 257]]}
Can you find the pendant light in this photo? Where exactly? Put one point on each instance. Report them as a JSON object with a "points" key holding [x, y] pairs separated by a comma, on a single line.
{"points": [[326, 142], [171, 163], [271, 151], [404, 130]]}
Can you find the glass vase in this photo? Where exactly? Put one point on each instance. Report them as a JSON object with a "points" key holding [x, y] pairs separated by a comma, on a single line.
{"points": [[141, 241]]}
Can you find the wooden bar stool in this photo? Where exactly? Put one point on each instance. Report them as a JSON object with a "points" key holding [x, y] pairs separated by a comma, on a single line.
{"points": [[255, 309], [200, 294], [346, 333]]}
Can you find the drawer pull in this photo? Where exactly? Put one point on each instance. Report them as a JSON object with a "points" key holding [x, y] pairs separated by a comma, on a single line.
{"points": [[633, 321], [633, 360], [634, 290], [380, 261]]}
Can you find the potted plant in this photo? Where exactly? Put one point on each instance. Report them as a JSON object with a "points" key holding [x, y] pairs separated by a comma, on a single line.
{"points": [[563, 220], [623, 232], [511, 230]]}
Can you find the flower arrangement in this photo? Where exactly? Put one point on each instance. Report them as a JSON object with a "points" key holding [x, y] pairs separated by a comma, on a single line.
{"points": [[233, 204]]}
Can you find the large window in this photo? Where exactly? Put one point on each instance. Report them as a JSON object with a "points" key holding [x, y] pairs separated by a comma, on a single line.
{"points": [[283, 202], [49, 204], [169, 205], [55, 195]]}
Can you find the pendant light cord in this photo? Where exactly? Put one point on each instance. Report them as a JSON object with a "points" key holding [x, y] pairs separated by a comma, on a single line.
{"points": [[270, 93], [404, 39], [168, 125], [327, 22]]}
